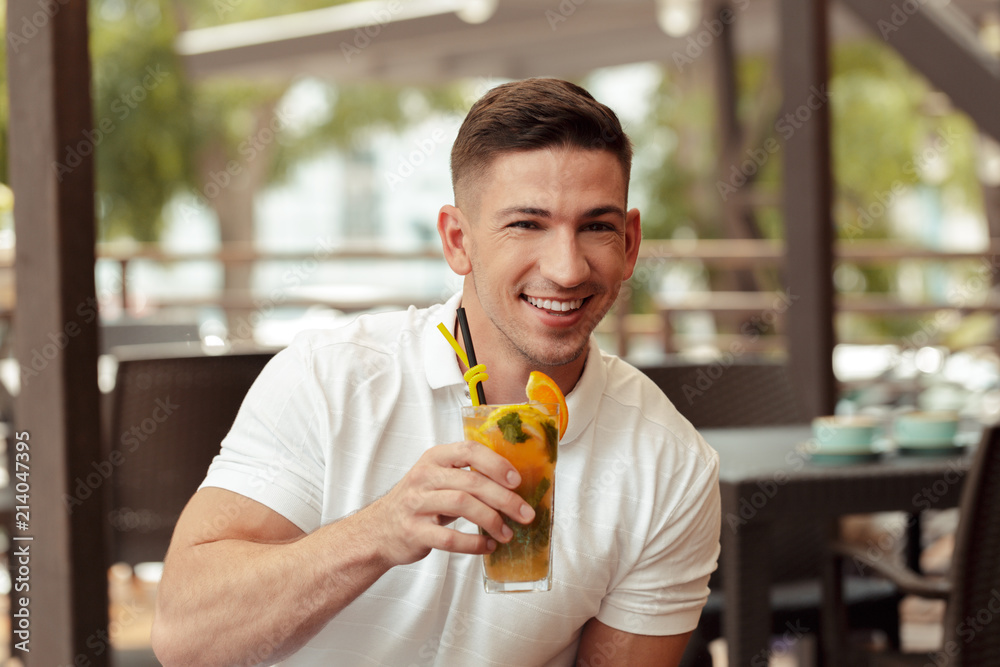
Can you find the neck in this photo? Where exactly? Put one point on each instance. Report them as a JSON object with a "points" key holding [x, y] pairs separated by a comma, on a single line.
{"points": [[507, 368]]}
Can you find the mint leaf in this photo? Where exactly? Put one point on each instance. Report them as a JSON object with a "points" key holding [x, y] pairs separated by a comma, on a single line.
{"points": [[536, 496], [551, 439], [510, 427]]}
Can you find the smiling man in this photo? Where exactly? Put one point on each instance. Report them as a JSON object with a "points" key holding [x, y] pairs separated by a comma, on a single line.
{"points": [[340, 522]]}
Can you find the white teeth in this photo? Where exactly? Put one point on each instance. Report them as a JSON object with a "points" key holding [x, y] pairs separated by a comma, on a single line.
{"points": [[554, 305]]}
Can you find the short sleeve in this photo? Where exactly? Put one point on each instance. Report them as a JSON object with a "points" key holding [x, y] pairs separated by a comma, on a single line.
{"points": [[666, 589], [274, 453]]}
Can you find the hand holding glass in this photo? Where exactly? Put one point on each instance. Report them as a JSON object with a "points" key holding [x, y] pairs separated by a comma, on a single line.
{"points": [[528, 437]]}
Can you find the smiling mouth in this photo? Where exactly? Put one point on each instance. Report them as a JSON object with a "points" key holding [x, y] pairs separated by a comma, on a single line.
{"points": [[554, 305]]}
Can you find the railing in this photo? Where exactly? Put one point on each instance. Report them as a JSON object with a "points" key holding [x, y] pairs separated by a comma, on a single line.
{"points": [[729, 254], [734, 254]]}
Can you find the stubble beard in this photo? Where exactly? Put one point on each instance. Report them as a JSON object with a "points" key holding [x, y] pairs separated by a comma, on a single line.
{"points": [[517, 341]]}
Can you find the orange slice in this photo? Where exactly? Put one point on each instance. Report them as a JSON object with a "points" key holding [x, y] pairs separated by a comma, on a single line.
{"points": [[543, 389]]}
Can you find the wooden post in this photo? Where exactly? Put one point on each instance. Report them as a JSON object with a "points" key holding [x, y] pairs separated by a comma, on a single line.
{"points": [[804, 126], [52, 141]]}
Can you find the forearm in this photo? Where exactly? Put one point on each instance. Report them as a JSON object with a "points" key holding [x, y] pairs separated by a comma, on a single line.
{"points": [[233, 602]]}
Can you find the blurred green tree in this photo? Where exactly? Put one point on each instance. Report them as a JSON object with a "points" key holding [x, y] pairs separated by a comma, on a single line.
{"points": [[220, 140]]}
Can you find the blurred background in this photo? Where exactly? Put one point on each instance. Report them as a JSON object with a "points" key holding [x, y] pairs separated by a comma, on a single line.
{"points": [[242, 202], [263, 168]]}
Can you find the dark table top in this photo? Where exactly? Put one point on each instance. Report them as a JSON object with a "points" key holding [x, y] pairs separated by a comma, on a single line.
{"points": [[760, 451], [767, 477]]}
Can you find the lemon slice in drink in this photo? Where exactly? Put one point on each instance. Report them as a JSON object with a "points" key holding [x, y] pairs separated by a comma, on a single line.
{"points": [[531, 418]]}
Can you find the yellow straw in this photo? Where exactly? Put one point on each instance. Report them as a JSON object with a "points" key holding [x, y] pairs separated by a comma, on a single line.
{"points": [[454, 344], [474, 375]]}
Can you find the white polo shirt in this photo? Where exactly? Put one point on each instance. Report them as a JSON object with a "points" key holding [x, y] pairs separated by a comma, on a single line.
{"points": [[335, 420]]}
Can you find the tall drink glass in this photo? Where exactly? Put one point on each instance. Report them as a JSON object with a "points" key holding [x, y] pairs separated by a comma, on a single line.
{"points": [[528, 437]]}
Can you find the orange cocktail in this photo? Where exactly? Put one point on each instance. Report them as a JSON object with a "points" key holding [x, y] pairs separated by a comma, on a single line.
{"points": [[528, 437]]}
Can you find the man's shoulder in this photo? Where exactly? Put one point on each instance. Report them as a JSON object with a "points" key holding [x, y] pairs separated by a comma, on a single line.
{"points": [[376, 332], [629, 386], [631, 397]]}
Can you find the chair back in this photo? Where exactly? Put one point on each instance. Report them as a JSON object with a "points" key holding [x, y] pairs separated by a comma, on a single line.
{"points": [[739, 394], [973, 617], [168, 418], [746, 393]]}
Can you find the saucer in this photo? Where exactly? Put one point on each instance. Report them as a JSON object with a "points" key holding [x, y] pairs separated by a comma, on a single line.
{"points": [[949, 449], [845, 457]]}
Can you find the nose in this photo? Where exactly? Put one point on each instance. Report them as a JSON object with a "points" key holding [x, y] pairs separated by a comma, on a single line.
{"points": [[563, 260]]}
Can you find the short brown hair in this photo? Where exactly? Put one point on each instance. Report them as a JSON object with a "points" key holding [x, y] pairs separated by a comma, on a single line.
{"points": [[533, 114]]}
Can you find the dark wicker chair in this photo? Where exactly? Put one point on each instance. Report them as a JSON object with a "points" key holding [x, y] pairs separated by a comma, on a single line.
{"points": [[167, 419], [761, 393], [972, 589], [740, 394]]}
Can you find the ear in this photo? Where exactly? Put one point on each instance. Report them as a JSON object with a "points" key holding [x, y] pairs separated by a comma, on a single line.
{"points": [[633, 236], [452, 227]]}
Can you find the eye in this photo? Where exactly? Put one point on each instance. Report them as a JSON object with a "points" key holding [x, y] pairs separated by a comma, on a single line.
{"points": [[522, 224], [599, 227]]}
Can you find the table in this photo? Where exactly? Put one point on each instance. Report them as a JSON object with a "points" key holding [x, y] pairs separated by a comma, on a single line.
{"points": [[766, 477]]}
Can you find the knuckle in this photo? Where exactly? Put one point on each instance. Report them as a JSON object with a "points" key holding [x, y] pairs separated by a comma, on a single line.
{"points": [[447, 541], [459, 500], [466, 448]]}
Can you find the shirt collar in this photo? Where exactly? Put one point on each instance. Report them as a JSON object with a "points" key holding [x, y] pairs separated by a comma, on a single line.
{"points": [[585, 398], [440, 362]]}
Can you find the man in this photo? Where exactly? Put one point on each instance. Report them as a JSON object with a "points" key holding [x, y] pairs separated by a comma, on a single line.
{"points": [[339, 523]]}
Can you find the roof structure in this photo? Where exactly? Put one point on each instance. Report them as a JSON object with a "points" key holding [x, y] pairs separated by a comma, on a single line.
{"points": [[440, 40]]}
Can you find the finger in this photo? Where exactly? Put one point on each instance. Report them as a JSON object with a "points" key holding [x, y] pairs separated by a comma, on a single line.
{"points": [[472, 484], [471, 509], [447, 539], [469, 453]]}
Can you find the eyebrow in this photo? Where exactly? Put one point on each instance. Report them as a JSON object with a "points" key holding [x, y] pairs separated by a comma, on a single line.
{"points": [[544, 213]]}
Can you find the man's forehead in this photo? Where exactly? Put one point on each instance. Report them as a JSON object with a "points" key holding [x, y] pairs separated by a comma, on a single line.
{"points": [[516, 165]]}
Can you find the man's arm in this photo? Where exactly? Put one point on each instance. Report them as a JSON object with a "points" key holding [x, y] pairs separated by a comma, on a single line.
{"points": [[242, 585], [604, 645]]}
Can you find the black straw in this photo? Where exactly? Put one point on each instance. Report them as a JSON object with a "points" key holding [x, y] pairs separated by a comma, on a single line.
{"points": [[463, 324]]}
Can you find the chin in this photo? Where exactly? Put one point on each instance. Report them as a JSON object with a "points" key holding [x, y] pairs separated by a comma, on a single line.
{"points": [[555, 358]]}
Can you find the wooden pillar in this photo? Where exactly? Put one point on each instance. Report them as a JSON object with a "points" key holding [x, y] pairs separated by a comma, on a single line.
{"points": [[738, 218], [804, 126], [51, 164]]}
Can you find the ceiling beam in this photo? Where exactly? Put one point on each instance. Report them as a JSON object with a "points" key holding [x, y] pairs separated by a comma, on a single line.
{"points": [[939, 42]]}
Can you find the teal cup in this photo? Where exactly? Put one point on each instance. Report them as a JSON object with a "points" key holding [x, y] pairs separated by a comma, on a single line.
{"points": [[844, 434], [925, 429]]}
